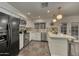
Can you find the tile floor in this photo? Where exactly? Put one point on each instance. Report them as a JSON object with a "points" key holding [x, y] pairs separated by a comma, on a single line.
{"points": [[36, 48]]}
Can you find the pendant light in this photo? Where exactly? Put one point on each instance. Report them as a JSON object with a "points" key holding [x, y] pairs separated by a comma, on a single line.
{"points": [[59, 15], [54, 18]]}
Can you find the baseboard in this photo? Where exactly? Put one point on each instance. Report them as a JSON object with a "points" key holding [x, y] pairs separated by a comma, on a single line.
{"points": [[39, 41], [36, 40], [43, 41]]}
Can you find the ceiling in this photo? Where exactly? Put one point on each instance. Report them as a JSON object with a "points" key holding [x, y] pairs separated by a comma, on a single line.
{"points": [[35, 8]]}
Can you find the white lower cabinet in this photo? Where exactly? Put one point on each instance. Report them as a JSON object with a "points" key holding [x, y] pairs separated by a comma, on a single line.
{"points": [[35, 36], [38, 36]]}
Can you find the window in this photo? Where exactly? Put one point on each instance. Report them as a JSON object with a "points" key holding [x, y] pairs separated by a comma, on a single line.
{"points": [[74, 30], [64, 28], [40, 25]]}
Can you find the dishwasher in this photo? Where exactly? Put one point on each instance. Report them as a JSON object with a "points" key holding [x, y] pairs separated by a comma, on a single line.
{"points": [[43, 36]]}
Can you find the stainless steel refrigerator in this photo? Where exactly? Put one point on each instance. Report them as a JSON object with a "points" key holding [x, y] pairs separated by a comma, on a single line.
{"points": [[9, 27]]}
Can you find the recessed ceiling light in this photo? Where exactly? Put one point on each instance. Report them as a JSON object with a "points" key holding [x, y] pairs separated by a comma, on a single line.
{"points": [[28, 13], [39, 16], [1, 27], [48, 11]]}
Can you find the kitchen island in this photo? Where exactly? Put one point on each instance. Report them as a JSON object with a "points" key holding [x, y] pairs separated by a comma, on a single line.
{"points": [[59, 44]]}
